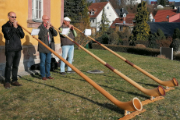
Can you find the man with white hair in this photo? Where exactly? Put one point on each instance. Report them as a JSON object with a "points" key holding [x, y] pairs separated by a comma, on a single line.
{"points": [[46, 35], [67, 45]]}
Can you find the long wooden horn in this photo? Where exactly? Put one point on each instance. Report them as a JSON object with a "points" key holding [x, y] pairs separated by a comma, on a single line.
{"points": [[150, 92], [133, 105], [169, 83]]}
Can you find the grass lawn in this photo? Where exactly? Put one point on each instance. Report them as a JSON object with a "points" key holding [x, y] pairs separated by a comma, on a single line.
{"points": [[70, 97]]}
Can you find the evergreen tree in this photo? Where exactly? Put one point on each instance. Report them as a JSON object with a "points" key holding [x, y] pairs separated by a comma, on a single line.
{"points": [[74, 9], [85, 18], [104, 23], [158, 1], [167, 2], [162, 2], [176, 33], [160, 35], [152, 41], [141, 29], [77, 10], [175, 44]]}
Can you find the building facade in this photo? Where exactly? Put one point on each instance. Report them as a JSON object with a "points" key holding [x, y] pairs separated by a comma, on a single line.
{"points": [[96, 10], [29, 14]]}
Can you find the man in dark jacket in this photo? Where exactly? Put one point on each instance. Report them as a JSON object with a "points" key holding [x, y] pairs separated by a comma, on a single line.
{"points": [[46, 35], [67, 45], [12, 34]]}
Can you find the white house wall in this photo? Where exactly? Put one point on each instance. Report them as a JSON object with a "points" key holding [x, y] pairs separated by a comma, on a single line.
{"points": [[110, 14], [132, 2], [93, 22]]}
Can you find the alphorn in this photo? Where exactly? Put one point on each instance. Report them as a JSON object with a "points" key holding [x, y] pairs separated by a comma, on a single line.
{"points": [[133, 105], [170, 83], [150, 92]]}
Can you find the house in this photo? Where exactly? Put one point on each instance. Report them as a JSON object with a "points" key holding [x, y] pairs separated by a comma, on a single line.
{"points": [[167, 27], [29, 14], [165, 15], [132, 2], [151, 18], [95, 11], [123, 23], [153, 2], [121, 11], [176, 5]]}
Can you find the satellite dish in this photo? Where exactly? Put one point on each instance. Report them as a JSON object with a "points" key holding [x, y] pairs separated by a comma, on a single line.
{"points": [[124, 15]]}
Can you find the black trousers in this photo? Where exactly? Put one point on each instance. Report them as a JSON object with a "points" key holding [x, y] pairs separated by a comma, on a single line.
{"points": [[12, 63]]}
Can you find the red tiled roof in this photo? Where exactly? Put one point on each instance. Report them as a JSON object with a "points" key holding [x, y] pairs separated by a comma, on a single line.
{"points": [[97, 7], [162, 14], [129, 20]]}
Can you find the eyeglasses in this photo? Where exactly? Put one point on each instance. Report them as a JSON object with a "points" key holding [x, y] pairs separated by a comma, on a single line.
{"points": [[13, 16]]}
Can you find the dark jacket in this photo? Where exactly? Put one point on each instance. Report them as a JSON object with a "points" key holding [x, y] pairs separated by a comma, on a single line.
{"points": [[43, 36], [72, 34], [12, 36]]}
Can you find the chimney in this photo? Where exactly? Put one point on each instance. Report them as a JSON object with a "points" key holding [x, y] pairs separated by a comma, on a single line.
{"points": [[124, 20], [178, 10]]}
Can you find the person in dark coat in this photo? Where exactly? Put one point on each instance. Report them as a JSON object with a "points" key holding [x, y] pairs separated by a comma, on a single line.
{"points": [[13, 34], [46, 35]]}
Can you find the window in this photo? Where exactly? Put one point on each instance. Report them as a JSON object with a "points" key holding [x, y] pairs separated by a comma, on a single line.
{"points": [[92, 12], [120, 28], [37, 10], [107, 7]]}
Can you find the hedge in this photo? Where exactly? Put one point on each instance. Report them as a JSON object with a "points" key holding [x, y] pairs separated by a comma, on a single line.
{"points": [[129, 49], [134, 50]]}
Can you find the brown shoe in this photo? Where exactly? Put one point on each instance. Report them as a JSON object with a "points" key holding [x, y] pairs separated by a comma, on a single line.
{"points": [[44, 78], [50, 77], [16, 83], [7, 85]]}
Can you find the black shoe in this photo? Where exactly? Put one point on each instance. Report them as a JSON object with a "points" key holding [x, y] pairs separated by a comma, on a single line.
{"points": [[62, 73], [70, 72]]}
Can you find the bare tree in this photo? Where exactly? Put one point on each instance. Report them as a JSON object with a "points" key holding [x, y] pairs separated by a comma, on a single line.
{"points": [[115, 3]]}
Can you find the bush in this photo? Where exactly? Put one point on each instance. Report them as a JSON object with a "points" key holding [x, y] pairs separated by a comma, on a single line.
{"points": [[163, 43], [130, 49], [160, 35], [175, 44], [113, 37], [152, 41], [176, 33], [104, 39]]}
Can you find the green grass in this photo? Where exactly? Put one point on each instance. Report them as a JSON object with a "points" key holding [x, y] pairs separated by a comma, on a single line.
{"points": [[70, 97]]}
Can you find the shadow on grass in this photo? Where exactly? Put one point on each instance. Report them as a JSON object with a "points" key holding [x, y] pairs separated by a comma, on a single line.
{"points": [[105, 105], [136, 94], [152, 85]]}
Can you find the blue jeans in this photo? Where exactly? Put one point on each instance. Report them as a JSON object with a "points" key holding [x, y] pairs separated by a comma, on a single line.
{"points": [[67, 51], [45, 64]]}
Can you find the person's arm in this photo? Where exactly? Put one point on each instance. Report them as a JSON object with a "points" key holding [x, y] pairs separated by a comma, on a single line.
{"points": [[61, 35], [75, 34], [8, 32], [53, 31], [20, 32], [40, 33]]}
